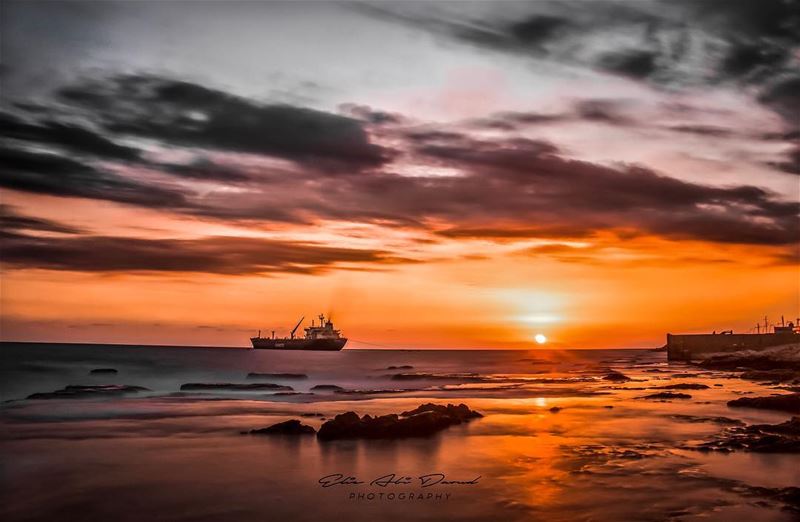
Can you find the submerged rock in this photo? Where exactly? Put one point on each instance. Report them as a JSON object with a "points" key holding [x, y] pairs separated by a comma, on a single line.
{"points": [[292, 376], [615, 376], [82, 392], [401, 367], [789, 402], [290, 427], [762, 438], [465, 377], [103, 371], [326, 387], [778, 375], [667, 395], [683, 386], [423, 421], [227, 386]]}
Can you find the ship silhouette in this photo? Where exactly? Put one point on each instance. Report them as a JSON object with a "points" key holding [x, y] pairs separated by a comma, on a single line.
{"points": [[323, 337]]}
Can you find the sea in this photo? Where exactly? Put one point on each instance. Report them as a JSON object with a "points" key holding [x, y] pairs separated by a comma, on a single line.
{"points": [[558, 440]]}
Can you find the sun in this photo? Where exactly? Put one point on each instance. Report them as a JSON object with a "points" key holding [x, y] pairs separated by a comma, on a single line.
{"points": [[540, 338]]}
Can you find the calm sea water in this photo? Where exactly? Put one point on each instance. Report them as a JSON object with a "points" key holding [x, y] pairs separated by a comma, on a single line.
{"points": [[603, 453]]}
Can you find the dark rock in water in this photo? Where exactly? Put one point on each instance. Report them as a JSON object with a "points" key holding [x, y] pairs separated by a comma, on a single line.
{"points": [[461, 412], [420, 422], [756, 361], [401, 367], [788, 402], [700, 419], [285, 376], [83, 392], [227, 386], [464, 377], [683, 386], [103, 371], [369, 392], [326, 387], [616, 377], [781, 375], [762, 438], [289, 393], [312, 414], [290, 427], [667, 395], [685, 375], [555, 409]]}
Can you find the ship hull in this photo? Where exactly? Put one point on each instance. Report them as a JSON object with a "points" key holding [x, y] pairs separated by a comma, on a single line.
{"points": [[326, 345]]}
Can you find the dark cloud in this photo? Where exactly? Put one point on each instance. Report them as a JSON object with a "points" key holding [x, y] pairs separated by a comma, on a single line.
{"points": [[218, 255], [191, 115], [69, 137], [783, 96], [56, 175], [203, 169], [369, 115], [791, 163], [635, 64], [12, 222]]}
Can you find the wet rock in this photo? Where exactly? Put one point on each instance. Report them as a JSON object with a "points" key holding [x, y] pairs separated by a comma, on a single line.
{"points": [[420, 422], [290, 427], [785, 358], [103, 371], [370, 391], [326, 387], [683, 386], [278, 376], [289, 393], [667, 395], [555, 409], [789, 402], [465, 377], [82, 392], [762, 438], [684, 375], [780, 375], [401, 367], [227, 386], [715, 420], [614, 376]]}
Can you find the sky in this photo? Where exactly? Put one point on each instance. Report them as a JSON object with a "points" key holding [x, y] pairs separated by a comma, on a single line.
{"points": [[431, 174]]}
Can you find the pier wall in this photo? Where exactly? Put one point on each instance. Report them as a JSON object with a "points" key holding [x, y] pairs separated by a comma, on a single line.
{"points": [[690, 346]]}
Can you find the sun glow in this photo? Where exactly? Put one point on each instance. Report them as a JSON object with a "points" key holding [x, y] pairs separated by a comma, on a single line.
{"points": [[540, 338]]}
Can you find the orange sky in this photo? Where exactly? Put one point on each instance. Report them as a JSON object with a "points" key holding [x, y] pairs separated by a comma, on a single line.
{"points": [[591, 178]]}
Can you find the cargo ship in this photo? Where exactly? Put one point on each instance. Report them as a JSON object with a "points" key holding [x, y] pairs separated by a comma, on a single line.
{"points": [[323, 337]]}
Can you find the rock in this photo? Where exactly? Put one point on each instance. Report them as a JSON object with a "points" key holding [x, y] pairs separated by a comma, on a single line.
{"points": [[461, 412], [285, 376], [683, 386], [787, 402], [289, 393], [781, 375], [103, 371], [762, 438], [312, 414], [420, 422], [401, 367], [752, 361], [290, 427], [555, 409], [614, 376], [326, 387], [464, 377], [667, 395], [82, 392], [227, 386]]}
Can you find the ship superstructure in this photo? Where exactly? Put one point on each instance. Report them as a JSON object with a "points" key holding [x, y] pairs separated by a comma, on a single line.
{"points": [[317, 337]]}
